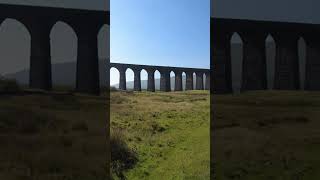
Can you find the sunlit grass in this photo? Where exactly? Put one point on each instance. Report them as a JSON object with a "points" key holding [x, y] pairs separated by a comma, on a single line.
{"points": [[169, 132]]}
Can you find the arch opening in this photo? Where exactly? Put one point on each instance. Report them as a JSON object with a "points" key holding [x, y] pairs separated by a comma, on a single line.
{"points": [[144, 79], [63, 56], [172, 80], [114, 77], [194, 75], [184, 81], [104, 54], [270, 51], [129, 79], [236, 44], [15, 37], [157, 76]]}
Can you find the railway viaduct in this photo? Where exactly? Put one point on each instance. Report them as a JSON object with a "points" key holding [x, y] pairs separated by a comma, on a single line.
{"points": [[253, 34], [39, 21], [165, 71]]}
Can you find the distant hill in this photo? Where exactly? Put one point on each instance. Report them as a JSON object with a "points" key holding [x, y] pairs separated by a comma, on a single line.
{"points": [[63, 74]]}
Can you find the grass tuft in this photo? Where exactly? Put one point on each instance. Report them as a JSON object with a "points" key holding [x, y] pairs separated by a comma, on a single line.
{"points": [[122, 157]]}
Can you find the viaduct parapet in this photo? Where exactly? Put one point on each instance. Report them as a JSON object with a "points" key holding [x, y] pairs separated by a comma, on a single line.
{"points": [[39, 21], [253, 35], [165, 84]]}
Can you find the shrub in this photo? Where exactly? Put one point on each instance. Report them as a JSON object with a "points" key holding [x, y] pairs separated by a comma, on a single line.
{"points": [[113, 89], [155, 127], [9, 85], [122, 157]]}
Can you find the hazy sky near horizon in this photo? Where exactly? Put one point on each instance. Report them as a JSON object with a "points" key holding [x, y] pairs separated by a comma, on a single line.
{"points": [[304, 11]]}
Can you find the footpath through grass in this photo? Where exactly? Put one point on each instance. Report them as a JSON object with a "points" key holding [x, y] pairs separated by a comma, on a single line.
{"points": [[168, 131], [267, 135]]}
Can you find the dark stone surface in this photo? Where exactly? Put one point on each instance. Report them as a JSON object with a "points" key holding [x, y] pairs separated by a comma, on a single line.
{"points": [[178, 81], [221, 61], [137, 80], [87, 77], [151, 85], [40, 60], [122, 80], [165, 80], [312, 78], [287, 62], [254, 33], [199, 81], [208, 80], [254, 67], [189, 81]]}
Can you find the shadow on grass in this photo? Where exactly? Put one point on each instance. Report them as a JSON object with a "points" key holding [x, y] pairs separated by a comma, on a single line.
{"points": [[123, 158]]}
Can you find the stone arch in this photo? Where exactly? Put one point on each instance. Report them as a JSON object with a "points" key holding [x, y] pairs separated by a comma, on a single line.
{"points": [[64, 44], [157, 76], [194, 75], [144, 79], [302, 48], [104, 54], [172, 80], [114, 77], [270, 45], [129, 78], [236, 50], [15, 37], [184, 80]]}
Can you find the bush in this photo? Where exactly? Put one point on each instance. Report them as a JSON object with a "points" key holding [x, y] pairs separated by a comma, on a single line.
{"points": [[80, 126], [113, 89], [9, 85], [122, 157]]}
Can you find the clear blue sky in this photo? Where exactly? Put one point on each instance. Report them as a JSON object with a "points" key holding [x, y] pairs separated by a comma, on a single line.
{"points": [[160, 32]]}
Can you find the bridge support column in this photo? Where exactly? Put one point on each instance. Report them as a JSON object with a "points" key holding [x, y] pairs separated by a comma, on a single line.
{"points": [[87, 77], [207, 85], [40, 60], [199, 81], [165, 81], [220, 61], [254, 68], [137, 80], [312, 81], [287, 62], [151, 85], [189, 81], [178, 81], [122, 79]]}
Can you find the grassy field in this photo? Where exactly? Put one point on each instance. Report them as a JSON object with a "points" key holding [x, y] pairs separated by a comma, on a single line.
{"points": [[267, 135], [53, 137], [169, 132]]}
